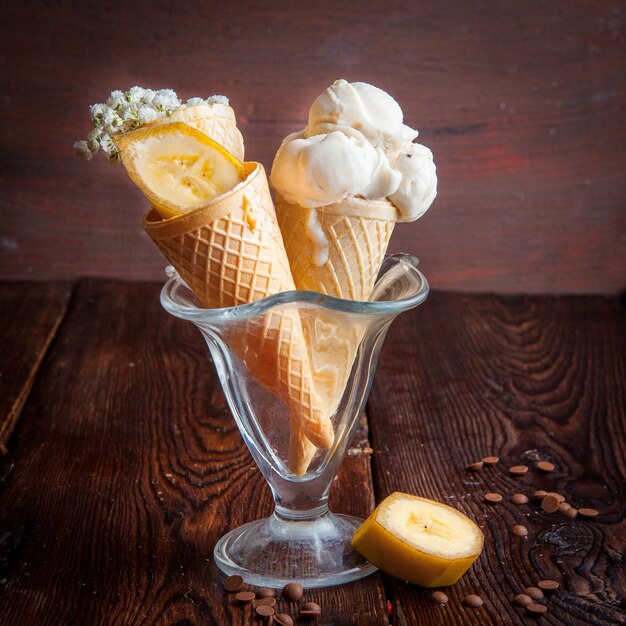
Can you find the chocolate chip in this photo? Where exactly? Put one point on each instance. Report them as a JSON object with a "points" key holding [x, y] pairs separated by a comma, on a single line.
{"points": [[519, 530], [534, 592], [558, 496], [588, 512], [292, 592], [490, 460], [548, 585], [264, 611], [571, 513], [282, 619], [518, 470], [494, 498], [310, 610], [439, 597], [519, 498], [521, 599], [473, 601], [537, 609], [233, 583], [550, 504], [564, 506], [540, 494], [245, 596], [266, 592], [266, 602], [475, 467], [545, 466]]}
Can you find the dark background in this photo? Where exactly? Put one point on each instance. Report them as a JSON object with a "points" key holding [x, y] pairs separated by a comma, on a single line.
{"points": [[522, 104]]}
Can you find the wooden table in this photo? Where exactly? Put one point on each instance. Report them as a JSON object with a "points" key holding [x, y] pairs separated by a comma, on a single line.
{"points": [[125, 467]]}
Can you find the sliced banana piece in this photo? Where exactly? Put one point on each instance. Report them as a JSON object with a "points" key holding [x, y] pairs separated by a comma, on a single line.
{"points": [[418, 540], [177, 167]]}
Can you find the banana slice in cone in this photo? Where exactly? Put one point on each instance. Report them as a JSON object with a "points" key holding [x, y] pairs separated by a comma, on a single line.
{"points": [[177, 167], [418, 540]]}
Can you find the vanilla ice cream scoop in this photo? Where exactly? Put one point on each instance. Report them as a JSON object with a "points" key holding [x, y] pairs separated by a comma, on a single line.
{"points": [[355, 145]]}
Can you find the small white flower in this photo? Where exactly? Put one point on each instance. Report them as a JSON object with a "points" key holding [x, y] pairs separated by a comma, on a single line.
{"points": [[116, 99], [148, 96], [217, 99], [146, 114], [135, 94], [97, 110], [192, 102], [82, 150], [93, 140], [166, 99]]}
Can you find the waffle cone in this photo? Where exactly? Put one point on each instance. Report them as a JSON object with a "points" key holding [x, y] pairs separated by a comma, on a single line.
{"points": [[217, 121], [231, 252], [358, 233]]}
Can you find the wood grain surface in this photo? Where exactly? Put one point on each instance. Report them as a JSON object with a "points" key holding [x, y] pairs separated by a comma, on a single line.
{"points": [[525, 379], [30, 314], [522, 104], [125, 469]]}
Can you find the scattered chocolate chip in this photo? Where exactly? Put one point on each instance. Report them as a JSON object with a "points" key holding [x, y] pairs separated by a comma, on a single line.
{"points": [[494, 498], [264, 611], [558, 496], [571, 513], [266, 602], [519, 530], [521, 599], [537, 609], [233, 583], [550, 504], [245, 596], [564, 506], [310, 610], [292, 592], [266, 592], [439, 597], [540, 494], [548, 585], [519, 498], [475, 467], [473, 601], [534, 592], [518, 470], [490, 460], [588, 512], [545, 466], [282, 619]]}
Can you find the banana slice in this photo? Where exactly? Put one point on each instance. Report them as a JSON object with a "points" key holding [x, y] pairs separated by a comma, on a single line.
{"points": [[418, 540], [177, 167]]}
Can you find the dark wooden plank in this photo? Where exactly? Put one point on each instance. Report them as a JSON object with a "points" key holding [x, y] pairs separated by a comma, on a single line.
{"points": [[525, 379], [127, 468], [523, 104], [30, 314]]}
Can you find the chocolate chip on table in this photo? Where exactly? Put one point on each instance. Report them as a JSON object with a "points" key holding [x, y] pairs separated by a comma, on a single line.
{"points": [[264, 611], [564, 506], [585, 512], [537, 609], [534, 592], [571, 513], [266, 602], [521, 599], [310, 610], [519, 498], [266, 592], [292, 592], [550, 504], [245, 596], [233, 583], [439, 597], [490, 460], [473, 601], [540, 494], [475, 467], [494, 498], [282, 619], [545, 466], [548, 585], [518, 470], [558, 496], [519, 531]]}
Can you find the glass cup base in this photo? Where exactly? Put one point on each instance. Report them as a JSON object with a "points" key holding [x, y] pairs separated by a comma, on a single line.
{"points": [[274, 551]]}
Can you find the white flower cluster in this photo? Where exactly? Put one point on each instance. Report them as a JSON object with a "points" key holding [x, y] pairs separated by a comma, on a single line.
{"points": [[127, 110]]}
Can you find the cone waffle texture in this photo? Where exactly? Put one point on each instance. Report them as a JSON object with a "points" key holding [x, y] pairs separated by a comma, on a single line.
{"points": [[217, 121], [230, 252], [358, 233]]}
